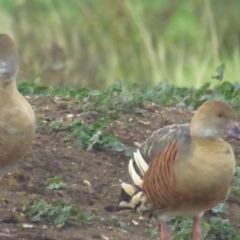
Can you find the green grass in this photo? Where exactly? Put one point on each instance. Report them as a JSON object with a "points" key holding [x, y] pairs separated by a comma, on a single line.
{"points": [[95, 43]]}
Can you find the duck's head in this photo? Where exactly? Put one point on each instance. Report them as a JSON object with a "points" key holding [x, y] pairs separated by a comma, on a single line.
{"points": [[214, 119], [8, 60]]}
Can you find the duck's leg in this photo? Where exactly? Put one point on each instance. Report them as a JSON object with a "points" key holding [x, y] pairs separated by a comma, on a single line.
{"points": [[196, 230], [164, 235]]}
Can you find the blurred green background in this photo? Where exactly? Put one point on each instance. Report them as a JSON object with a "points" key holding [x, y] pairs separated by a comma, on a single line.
{"points": [[97, 42]]}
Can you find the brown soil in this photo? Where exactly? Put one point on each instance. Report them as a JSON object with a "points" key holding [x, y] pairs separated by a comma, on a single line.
{"points": [[51, 156]]}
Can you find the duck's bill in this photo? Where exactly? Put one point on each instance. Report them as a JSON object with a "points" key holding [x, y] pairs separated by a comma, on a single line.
{"points": [[233, 131]]}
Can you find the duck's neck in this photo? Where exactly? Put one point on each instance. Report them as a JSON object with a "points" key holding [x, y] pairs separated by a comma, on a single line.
{"points": [[199, 129], [204, 133], [8, 89]]}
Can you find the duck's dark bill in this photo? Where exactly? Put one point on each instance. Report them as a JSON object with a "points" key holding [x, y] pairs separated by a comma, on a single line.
{"points": [[233, 131]]}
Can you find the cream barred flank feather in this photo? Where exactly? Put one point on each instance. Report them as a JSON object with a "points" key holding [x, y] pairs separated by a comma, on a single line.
{"points": [[133, 195], [136, 198]]}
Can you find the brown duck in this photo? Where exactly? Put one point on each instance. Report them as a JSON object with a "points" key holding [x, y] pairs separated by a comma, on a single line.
{"points": [[17, 119], [182, 170]]}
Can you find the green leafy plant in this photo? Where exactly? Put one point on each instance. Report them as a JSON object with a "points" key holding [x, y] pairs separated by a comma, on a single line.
{"points": [[235, 189], [113, 220], [181, 228], [215, 228], [116, 99], [219, 208], [60, 213], [222, 229], [152, 232], [55, 183], [55, 124], [93, 136]]}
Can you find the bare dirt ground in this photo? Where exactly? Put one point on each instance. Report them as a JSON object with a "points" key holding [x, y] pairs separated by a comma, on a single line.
{"points": [[51, 156]]}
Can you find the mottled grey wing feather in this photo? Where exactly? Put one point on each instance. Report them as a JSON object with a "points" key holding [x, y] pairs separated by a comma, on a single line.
{"points": [[161, 138]]}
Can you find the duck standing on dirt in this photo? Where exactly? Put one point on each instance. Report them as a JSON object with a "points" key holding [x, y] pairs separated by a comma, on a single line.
{"points": [[178, 172], [17, 119]]}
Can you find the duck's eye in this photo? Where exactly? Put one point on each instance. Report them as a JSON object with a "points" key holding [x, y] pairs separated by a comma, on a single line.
{"points": [[220, 115]]}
